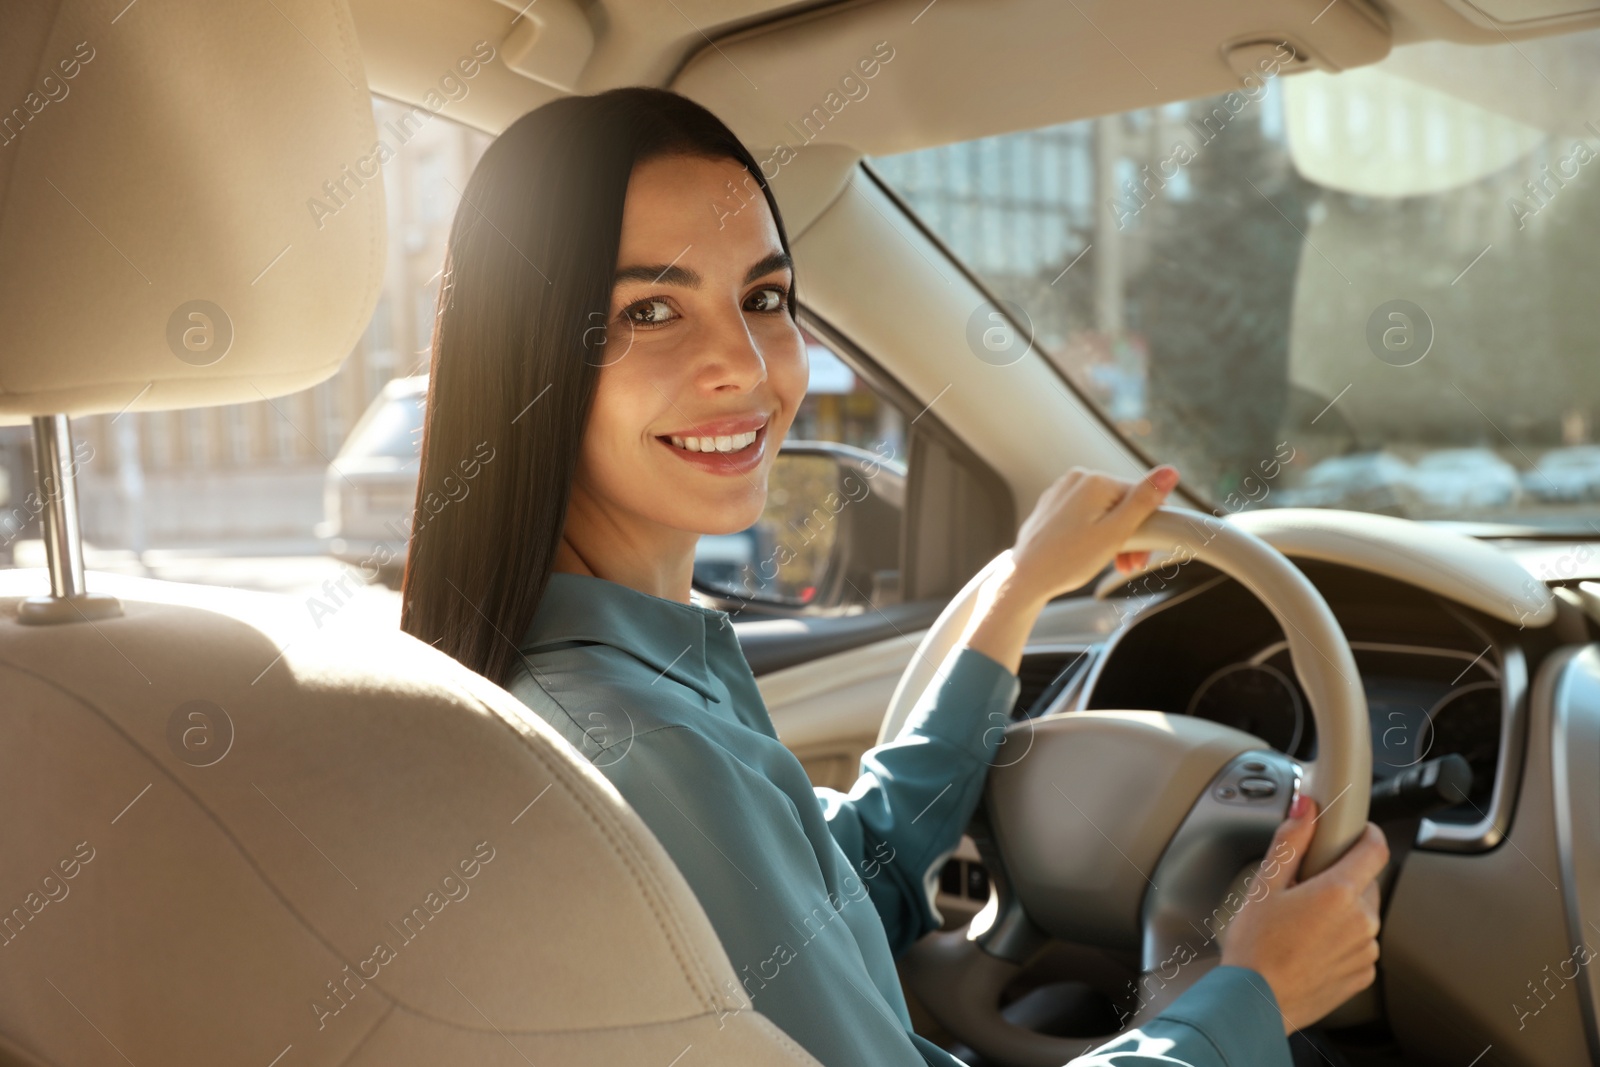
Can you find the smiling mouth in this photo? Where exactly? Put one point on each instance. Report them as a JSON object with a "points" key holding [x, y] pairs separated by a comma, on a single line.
{"points": [[724, 445]]}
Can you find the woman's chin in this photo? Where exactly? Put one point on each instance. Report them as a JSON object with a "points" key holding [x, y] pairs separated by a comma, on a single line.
{"points": [[718, 518], [731, 511], [722, 529]]}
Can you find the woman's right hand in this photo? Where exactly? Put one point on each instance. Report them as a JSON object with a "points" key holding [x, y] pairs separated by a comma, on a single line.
{"points": [[1080, 524], [1075, 529], [1314, 941]]}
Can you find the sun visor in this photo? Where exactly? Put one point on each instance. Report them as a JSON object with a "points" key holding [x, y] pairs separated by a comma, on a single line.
{"points": [[191, 204], [892, 76]]}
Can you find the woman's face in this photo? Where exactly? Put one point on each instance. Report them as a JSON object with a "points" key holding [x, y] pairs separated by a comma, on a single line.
{"points": [[702, 365]]}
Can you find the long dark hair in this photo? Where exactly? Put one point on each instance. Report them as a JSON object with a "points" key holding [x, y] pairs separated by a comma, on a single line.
{"points": [[518, 344]]}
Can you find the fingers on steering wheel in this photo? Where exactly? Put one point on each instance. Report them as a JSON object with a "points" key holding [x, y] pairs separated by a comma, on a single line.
{"points": [[1364, 861], [1374, 838], [1143, 497], [1370, 901], [1293, 834], [1073, 476]]}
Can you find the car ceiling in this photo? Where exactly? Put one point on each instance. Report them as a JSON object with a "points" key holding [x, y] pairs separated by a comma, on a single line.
{"points": [[961, 68]]}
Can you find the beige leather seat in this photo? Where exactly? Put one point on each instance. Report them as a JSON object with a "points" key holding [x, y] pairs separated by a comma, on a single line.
{"points": [[231, 837]]}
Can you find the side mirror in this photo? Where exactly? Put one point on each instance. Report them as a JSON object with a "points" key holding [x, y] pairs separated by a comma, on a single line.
{"points": [[829, 537]]}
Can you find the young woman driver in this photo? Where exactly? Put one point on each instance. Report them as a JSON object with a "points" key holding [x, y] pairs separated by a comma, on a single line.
{"points": [[598, 312]]}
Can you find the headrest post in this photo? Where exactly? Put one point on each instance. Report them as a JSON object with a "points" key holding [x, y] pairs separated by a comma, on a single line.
{"points": [[57, 478], [55, 470]]}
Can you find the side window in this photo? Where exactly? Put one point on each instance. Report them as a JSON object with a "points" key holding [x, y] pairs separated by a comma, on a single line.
{"points": [[841, 408], [830, 538]]}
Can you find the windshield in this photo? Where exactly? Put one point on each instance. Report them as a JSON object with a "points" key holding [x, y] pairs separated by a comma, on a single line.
{"points": [[1371, 290]]}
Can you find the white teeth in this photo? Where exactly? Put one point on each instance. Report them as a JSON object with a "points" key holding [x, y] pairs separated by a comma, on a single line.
{"points": [[730, 443]]}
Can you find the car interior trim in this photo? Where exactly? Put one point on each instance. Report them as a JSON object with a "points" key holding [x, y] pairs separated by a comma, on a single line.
{"points": [[1488, 665], [1460, 568], [1575, 778]]}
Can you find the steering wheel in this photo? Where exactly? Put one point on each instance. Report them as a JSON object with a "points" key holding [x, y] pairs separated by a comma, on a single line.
{"points": [[1127, 829]]}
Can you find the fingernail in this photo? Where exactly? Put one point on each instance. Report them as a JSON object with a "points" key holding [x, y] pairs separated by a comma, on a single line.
{"points": [[1300, 807], [1165, 478]]}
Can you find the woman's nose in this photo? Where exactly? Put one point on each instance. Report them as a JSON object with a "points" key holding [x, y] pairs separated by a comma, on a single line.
{"points": [[731, 356]]}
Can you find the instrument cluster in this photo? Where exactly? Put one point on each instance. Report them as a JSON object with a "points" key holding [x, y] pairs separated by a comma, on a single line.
{"points": [[1422, 704]]}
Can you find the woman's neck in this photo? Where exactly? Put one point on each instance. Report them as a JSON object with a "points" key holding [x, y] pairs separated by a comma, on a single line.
{"points": [[659, 574]]}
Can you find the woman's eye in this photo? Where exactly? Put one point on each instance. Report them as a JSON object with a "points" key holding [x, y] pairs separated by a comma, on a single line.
{"points": [[769, 299], [649, 313]]}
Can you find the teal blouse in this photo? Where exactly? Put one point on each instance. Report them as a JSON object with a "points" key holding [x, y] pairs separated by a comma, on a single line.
{"points": [[814, 892]]}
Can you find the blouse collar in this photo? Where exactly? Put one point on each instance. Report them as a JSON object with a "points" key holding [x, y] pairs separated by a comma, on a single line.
{"points": [[668, 635]]}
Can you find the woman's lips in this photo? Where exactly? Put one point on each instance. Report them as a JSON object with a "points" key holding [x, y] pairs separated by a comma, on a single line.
{"points": [[744, 461], [725, 427]]}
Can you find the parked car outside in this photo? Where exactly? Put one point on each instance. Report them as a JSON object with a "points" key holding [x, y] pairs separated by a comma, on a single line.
{"points": [[371, 485], [1459, 480], [1363, 481], [1565, 475]]}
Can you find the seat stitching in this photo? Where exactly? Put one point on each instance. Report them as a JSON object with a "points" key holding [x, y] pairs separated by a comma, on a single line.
{"points": [[760, 1019], [632, 860]]}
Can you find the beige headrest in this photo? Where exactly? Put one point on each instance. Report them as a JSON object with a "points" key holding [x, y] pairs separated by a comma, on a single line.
{"points": [[190, 210]]}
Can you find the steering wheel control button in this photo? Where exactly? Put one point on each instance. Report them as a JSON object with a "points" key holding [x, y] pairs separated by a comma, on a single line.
{"points": [[1254, 780]]}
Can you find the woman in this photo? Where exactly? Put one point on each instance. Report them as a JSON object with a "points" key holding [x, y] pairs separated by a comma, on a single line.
{"points": [[626, 345]]}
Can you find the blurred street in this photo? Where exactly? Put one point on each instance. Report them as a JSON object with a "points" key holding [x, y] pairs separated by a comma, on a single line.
{"points": [[331, 592]]}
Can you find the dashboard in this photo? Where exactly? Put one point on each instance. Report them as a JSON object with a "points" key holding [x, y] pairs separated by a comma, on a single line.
{"points": [[1439, 677]]}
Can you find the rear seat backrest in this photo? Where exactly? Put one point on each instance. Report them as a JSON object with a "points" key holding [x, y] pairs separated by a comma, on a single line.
{"points": [[361, 850]]}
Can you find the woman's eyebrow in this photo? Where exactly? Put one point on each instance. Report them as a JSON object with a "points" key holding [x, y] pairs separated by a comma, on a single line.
{"points": [[672, 274], [776, 261]]}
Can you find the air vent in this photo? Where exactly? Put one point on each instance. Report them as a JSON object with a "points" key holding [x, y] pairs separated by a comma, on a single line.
{"points": [[1044, 675]]}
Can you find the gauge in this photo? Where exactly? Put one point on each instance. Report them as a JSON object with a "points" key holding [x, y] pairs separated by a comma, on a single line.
{"points": [[1402, 733], [1255, 698], [1466, 722]]}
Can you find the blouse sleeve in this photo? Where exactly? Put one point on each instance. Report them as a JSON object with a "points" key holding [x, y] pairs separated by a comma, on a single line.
{"points": [[906, 812], [1228, 1018]]}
